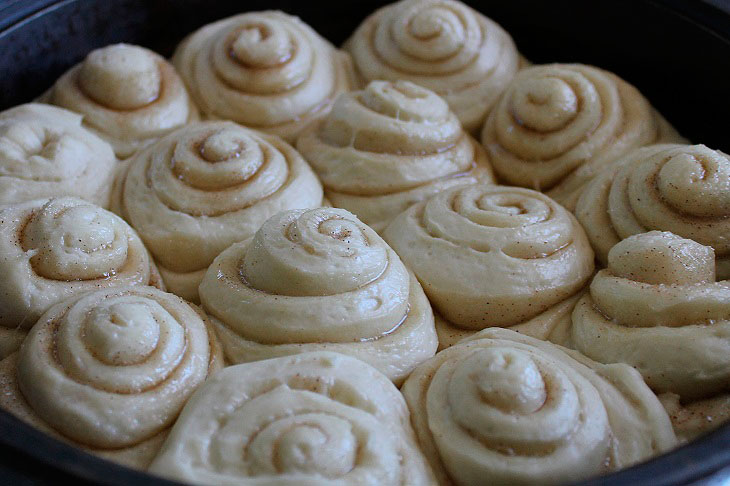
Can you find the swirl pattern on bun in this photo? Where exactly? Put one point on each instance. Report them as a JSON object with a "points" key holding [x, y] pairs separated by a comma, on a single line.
{"points": [[443, 45], [265, 70], [128, 95], [491, 255], [319, 280], [110, 370], [316, 418], [45, 152], [658, 308], [558, 125], [206, 186], [684, 189], [389, 146], [504, 408], [54, 249]]}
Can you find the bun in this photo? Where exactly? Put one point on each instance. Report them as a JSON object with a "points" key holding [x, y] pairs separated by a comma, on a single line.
{"points": [[128, 95], [492, 256], [389, 146], [504, 408], [45, 152], [110, 370], [315, 418], [443, 45], [266, 70], [319, 280]]}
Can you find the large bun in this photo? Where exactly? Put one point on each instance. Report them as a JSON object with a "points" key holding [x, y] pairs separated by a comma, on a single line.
{"points": [[319, 280], [312, 419], [504, 408]]}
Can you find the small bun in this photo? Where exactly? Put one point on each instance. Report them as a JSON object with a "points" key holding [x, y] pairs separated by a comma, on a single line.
{"points": [[45, 152], [128, 95], [265, 70], [389, 146], [443, 45], [658, 308]]}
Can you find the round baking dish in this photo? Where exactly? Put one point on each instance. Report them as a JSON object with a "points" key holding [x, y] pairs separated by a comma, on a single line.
{"points": [[677, 52]]}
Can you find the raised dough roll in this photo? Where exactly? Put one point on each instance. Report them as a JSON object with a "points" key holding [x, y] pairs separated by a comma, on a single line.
{"points": [[491, 256], [206, 186], [658, 308], [503, 408], [319, 280], [45, 152], [266, 70], [110, 370], [558, 125], [443, 45], [53, 249], [389, 146], [312, 419], [128, 95], [684, 189]]}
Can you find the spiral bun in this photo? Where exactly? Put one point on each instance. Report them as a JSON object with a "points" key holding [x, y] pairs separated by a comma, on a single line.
{"points": [[557, 125], [389, 146], [443, 45], [128, 95], [45, 152], [110, 370], [491, 255], [657, 307], [53, 249], [319, 280], [206, 186], [266, 70], [504, 408], [312, 419], [684, 189]]}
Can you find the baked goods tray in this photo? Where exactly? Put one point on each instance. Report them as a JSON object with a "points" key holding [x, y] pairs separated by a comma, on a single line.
{"points": [[674, 51]]}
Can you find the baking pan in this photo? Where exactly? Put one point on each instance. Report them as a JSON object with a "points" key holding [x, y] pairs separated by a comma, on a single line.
{"points": [[676, 52]]}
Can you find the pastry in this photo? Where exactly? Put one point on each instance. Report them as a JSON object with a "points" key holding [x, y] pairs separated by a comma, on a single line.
{"points": [[658, 308], [45, 152], [389, 146], [206, 186], [443, 45], [54, 249], [313, 419], [128, 95], [110, 370], [493, 256], [558, 125], [266, 70], [504, 408], [319, 280], [684, 189]]}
